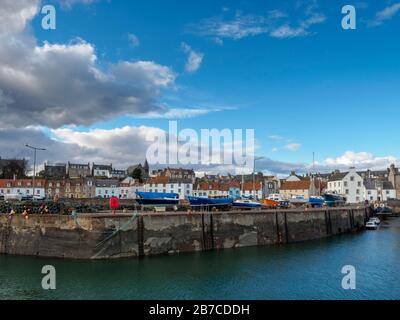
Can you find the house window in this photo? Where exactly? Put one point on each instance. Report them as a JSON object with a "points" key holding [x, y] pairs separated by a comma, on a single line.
{"points": [[347, 191], [345, 183], [359, 183], [352, 178]]}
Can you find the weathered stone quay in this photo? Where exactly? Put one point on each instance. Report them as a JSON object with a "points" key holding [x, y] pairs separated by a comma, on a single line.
{"points": [[103, 236]]}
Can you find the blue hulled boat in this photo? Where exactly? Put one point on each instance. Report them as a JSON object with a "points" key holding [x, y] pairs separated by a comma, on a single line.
{"points": [[200, 202], [316, 201], [246, 204], [157, 199], [332, 200]]}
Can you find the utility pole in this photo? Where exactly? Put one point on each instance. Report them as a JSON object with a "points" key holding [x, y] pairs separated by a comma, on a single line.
{"points": [[35, 149]]}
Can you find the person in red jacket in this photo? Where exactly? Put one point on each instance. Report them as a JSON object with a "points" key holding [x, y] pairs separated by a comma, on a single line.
{"points": [[114, 204]]}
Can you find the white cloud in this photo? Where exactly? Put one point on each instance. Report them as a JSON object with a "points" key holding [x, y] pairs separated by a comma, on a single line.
{"points": [[61, 84], [360, 160], [69, 3], [286, 31], [120, 146], [194, 58], [292, 146], [276, 24], [37, 79], [385, 14], [133, 40], [15, 15], [276, 137], [175, 113], [237, 28]]}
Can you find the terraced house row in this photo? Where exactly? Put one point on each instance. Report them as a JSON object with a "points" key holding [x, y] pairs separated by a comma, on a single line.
{"points": [[103, 181]]}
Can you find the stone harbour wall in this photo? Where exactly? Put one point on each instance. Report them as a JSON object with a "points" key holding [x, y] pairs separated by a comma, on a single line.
{"points": [[105, 236]]}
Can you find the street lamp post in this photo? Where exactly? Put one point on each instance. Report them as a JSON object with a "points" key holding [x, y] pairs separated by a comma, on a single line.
{"points": [[35, 149]]}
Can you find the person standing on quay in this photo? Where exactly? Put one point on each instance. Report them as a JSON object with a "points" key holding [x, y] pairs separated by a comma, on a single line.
{"points": [[114, 204]]}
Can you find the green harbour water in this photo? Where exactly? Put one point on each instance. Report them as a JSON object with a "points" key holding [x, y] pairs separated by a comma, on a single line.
{"points": [[309, 270]]}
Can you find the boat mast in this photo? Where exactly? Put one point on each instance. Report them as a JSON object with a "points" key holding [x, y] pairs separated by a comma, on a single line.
{"points": [[254, 181]]}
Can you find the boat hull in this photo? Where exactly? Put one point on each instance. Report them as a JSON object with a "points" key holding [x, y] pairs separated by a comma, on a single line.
{"points": [[332, 200], [155, 199], [158, 202], [208, 203], [246, 206]]}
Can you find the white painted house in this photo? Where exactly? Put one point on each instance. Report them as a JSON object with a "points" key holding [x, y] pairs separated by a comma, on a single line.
{"points": [[100, 170], [377, 190], [107, 188], [183, 187], [349, 184], [210, 190], [23, 187], [128, 188]]}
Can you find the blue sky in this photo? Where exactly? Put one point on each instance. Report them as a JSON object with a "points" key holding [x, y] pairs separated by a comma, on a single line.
{"points": [[286, 69]]}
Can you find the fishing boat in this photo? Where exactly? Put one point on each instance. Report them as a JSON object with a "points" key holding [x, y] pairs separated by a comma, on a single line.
{"points": [[316, 201], [210, 203], [270, 203], [246, 204], [371, 225], [332, 199], [298, 200], [157, 199]]}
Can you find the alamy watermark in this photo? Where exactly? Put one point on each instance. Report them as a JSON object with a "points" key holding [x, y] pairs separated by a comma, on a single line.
{"points": [[210, 147], [49, 280], [349, 21], [349, 280], [49, 21]]}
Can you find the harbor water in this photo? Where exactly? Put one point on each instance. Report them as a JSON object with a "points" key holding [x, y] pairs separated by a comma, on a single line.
{"points": [[309, 270]]}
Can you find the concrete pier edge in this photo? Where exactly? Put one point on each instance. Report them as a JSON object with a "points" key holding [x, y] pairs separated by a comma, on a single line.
{"points": [[104, 236]]}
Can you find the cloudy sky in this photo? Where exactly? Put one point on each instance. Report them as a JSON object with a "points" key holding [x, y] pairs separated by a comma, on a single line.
{"points": [[112, 74]]}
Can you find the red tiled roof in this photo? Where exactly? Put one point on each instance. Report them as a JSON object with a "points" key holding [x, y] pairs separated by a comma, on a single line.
{"points": [[23, 183], [296, 185], [3, 183], [251, 186]]}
